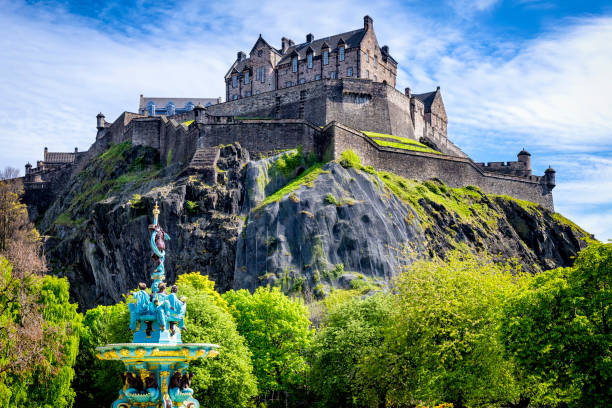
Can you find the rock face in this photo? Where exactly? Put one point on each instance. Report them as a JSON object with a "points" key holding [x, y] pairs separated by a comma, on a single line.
{"points": [[280, 221]]}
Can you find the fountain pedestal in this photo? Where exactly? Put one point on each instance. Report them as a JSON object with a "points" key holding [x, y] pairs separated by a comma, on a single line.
{"points": [[156, 361]]}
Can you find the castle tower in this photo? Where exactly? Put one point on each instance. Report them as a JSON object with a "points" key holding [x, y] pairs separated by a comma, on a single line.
{"points": [[200, 113], [525, 157], [28, 168], [549, 177], [100, 121]]}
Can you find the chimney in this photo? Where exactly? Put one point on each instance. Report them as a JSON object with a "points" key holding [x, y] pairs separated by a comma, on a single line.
{"points": [[285, 44], [368, 23], [408, 92], [309, 38], [385, 50], [240, 56], [76, 150], [438, 89]]}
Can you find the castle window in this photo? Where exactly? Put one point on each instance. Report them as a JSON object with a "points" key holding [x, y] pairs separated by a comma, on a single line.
{"points": [[309, 61], [294, 63], [375, 60], [258, 74], [235, 97], [349, 71], [234, 81], [302, 81], [325, 57], [362, 99], [248, 93], [367, 74], [246, 77], [367, 56], [375, 79], [259, 52], [317, 77], [332, 75], [341, 53], [288, 84], [263, 75], [257, 92]]}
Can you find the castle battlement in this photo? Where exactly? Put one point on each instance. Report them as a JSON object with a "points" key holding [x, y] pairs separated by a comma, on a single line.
{"points": [[325, 114]]}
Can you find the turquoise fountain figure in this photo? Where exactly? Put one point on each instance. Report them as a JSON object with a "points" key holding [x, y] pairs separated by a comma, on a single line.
{"points": [[156, 361]]}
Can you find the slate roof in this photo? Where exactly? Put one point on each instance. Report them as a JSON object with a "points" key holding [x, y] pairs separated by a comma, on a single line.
{"points": [[427, 99], [351, 38], [54, 157]]}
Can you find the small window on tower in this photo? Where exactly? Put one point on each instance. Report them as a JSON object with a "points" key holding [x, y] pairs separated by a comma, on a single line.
{"points": [[263, 75], [332, 75], [317, 77], [341, 53], [258, 74], [246, 77], [310, 60], [234, 81], [349, 71], [367, 56], [294, 64], [325, 57]]}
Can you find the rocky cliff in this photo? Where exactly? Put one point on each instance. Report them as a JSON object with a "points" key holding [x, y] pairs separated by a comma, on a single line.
{"points": [[283, 220]]}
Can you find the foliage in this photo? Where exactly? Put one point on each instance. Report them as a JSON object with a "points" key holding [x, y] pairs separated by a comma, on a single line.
{"points": [[443, 345], [398, 142], [330, 199], [13, 214], [47, 382], [349, 332], [559, 331], [277, 332], [225, 381], [187, 123], [306, 178], [97, 383]]}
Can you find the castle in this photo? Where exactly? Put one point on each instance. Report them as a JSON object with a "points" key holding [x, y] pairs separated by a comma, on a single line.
{"points": [[327, 95]]}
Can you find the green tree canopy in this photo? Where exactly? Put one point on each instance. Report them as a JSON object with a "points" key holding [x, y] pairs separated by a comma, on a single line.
{"points": [[349, 332], [276, 329], [443, 345], [559, 331]]}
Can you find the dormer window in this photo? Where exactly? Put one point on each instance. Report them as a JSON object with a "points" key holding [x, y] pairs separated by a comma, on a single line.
{"points": [[325, 57], [341, 53], [246, 77], [310, 60], [294, 64]]}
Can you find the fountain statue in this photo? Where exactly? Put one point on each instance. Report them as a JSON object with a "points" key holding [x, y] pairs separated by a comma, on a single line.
{"points": [[156, 360]]}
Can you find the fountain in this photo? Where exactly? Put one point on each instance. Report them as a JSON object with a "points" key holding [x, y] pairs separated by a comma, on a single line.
{"points": [[156, 360]]}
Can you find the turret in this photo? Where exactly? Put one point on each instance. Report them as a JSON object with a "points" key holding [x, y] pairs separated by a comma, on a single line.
{"points": [[549, 177], [100, 121], [285, 44], [525, 157], [199, 112], [28, 168]]}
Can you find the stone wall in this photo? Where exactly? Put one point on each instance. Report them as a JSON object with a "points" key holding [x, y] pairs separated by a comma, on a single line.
{"points": [[454, 171], [261, 136]]}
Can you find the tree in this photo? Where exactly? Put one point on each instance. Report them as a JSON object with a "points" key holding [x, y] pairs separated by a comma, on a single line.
{"points": [[276, 329], [227, 380], [444, 344], [349, 332], [559, 331]]}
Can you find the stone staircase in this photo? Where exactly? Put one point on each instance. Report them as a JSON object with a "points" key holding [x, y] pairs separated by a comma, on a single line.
{"points": [[204, 161]]}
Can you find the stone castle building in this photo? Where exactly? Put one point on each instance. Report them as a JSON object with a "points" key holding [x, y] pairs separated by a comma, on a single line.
{"points": [[326, 95]]}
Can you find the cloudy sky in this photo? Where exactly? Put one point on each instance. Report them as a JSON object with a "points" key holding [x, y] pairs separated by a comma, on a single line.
{"points": [[514, 73]]}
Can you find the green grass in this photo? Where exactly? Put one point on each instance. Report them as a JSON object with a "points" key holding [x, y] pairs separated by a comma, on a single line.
{"points": [[398, 142], [530, 207], [187, 122], [466, 202], [307, 178], [330, 199], [562, 220]]}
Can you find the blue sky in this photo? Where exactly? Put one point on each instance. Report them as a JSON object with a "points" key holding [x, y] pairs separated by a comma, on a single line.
{"points": [[513, 73]]}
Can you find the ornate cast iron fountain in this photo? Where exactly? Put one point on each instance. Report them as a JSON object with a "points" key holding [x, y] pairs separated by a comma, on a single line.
{"points": [[156, 361]]}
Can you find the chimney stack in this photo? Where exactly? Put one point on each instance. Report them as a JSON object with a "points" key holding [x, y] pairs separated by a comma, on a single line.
{"points": [[309, 38], [385, 50], [368, 23], [240, 56], [408, 92]]}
